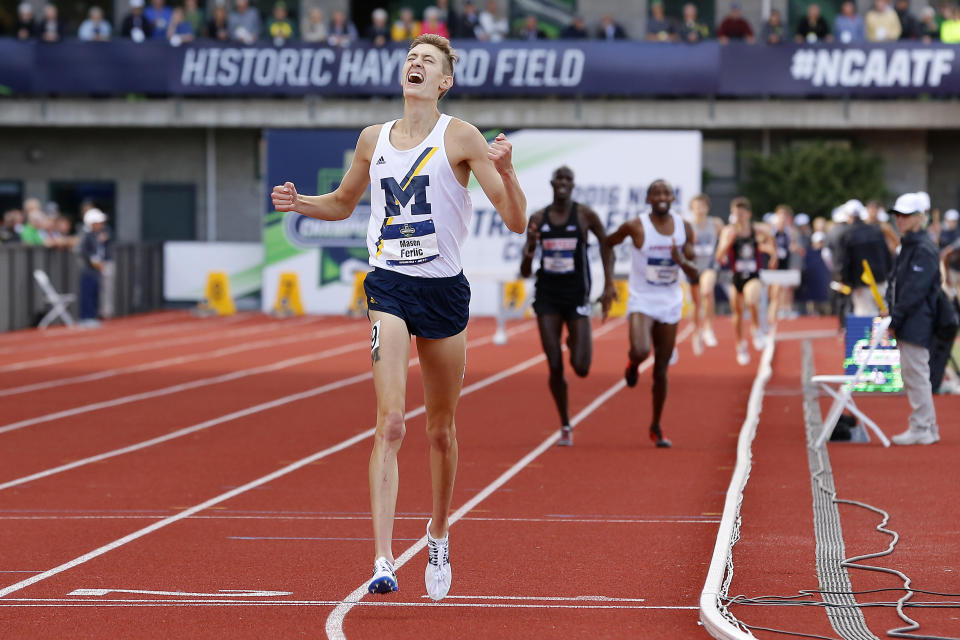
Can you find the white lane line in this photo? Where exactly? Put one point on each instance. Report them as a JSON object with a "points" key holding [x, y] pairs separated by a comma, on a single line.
{"points": [[184, 386], [111, 334], [33, 339], [265, 406], [130, 348], [279, 473], [169, 362], [223, 593], [812, 334], [334, 625], [367, 519], [63, 602]]}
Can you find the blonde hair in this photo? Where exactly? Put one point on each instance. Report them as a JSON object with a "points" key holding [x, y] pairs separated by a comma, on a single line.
{"points": [[450, 56]]}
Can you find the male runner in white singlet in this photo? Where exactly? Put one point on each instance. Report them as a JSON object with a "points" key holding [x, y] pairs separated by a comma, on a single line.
{"points": [[418, 168], [662, 247]]}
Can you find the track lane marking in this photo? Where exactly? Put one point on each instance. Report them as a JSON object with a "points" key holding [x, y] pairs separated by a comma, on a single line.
{"points": [[279, 473], [265, 406], [334, 625], [168, 362], [130, 348]]}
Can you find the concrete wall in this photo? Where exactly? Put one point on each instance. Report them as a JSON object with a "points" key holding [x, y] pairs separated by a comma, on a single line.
{"points": [[130, 157]]}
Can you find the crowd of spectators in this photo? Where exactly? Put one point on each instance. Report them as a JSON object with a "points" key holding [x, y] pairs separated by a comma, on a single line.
{"points": [[38, 225], [239, 21]]}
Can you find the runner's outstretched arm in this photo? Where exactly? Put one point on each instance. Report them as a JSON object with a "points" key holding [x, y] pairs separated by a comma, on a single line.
{"points": [[339, 204]]}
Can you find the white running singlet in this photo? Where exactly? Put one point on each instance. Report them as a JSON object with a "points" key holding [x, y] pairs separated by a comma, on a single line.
{"points": [[654, 276], [419, 211]]}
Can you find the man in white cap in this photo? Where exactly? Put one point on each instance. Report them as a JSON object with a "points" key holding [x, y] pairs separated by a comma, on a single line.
{"points": [[92, 250], [912, 299], [863, 242]]}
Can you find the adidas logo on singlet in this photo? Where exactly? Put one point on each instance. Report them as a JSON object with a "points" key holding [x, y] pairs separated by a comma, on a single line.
{"points": [[381, 161]]}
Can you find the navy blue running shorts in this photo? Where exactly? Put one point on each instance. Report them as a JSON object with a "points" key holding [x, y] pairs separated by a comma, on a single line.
{"points": [[432, 307]]}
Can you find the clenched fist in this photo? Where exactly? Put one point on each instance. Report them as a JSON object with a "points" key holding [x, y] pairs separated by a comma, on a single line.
{"points": [[501, 153], [284, 197]]}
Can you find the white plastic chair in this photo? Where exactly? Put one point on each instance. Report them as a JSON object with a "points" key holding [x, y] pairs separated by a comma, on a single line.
{"points": [[843, 394], [59, 301]]}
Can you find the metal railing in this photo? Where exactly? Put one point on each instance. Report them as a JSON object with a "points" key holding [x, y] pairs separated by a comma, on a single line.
{"points": [[138, 287]]}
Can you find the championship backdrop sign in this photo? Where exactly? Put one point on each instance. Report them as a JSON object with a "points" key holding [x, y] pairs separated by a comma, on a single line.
{"points": [[612, 170]]}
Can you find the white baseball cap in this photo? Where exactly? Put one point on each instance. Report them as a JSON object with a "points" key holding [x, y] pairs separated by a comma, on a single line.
{"points": [[801, 219], [923, 199], [951, 214], [908, 204], [855, 209], [840, 214], [93, 216]]}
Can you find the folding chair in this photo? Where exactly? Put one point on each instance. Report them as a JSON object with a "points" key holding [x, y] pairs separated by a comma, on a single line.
{"points": [[59, 301], [843, 394]]}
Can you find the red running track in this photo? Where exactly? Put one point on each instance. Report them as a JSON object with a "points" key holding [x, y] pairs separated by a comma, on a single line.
{"points": [[610, 538]]}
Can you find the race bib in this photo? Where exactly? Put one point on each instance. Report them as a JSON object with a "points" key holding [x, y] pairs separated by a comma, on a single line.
{"points": [[558, 255], [745, 265], [702, 250], [662, 271], [408, 243]]}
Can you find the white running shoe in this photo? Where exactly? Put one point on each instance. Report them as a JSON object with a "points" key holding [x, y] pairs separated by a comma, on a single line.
{"points": [[912, 436], [674, 357], [566, 436], [709, 339], [697, 344], [759, 340], [743, 356], [384, 578], [438, 574]]}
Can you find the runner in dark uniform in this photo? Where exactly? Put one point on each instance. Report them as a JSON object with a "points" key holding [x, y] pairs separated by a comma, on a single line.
{"points": [[741, 243], [563, 284], [784, 239]]}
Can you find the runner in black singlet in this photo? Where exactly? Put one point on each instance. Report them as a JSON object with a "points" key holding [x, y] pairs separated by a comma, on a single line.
{"points": [[563, 284]]}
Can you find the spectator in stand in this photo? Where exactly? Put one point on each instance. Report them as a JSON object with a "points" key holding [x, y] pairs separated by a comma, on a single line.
{"points": [[848, 25], [493, 26], [927, 28], [12, 225], [432, 23], [576, 30], [314, 27], [50, 28], [446, 15], [179, 30], [36, 232], [659, 27], [342, 32], [773, 31], [908, 22], [135, 25], [378, 33], [950, 28], [63, 231], [469, 23], [692, 30], [94, 28], [610, 30], [218, 28], [735, 27], [244, 23], [26, 27], [405, 28], [91, 254], [194, 15], [882, 23], [280, 28], [159, 15], [813, 27], [531, 29]]}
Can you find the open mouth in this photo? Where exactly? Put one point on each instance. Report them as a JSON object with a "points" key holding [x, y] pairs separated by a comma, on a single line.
{"points": [[415, 77]]}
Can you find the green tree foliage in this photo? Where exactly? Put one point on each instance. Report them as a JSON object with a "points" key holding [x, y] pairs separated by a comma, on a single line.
{"points": [[813, 178]]}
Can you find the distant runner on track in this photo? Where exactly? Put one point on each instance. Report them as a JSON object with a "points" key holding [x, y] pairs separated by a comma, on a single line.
{"points": [[662, 247], [563, 285], [418, 168]]}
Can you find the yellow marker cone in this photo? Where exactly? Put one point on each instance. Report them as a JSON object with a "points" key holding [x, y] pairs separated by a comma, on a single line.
{"points": [[218, 295], [871, 282], [358, 301], [619, 307], [288, 301]]}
